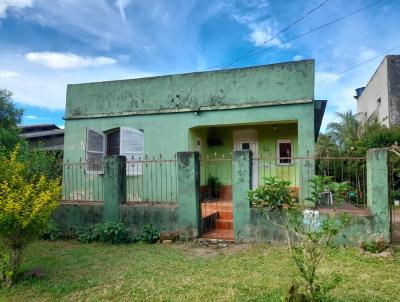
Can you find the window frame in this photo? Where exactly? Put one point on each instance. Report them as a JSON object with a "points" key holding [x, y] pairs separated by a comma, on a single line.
{"points": [[87, 151], [137, 171], [278, 155]]}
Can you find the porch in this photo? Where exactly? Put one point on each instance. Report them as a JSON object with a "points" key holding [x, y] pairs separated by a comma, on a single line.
{"points": [[272, 145]]}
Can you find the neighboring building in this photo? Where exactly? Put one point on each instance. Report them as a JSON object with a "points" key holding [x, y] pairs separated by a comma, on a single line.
{"points": [[48, 136], [381, 96]]}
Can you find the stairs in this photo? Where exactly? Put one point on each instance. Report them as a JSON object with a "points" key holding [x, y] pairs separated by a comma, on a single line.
{"points": [[218, 220]]}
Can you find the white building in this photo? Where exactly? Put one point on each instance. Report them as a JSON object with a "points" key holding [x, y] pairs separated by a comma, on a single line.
{"points": [[381, 96]]}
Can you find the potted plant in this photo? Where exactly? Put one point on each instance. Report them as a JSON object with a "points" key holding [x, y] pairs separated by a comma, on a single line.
{"points": [[213, 187]]}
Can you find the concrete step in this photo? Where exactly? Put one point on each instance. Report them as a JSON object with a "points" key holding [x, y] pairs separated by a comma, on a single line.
{"points": [[225, 215], [224, 224]]}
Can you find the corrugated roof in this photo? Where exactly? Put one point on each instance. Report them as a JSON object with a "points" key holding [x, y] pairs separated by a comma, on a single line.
{"points": [[42, 133]]}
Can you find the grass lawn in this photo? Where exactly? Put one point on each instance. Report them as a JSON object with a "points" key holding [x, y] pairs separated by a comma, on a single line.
{"points": [[189, 272]]}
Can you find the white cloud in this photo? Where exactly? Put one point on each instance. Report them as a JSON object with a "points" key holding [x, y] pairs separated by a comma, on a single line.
{"points": [[366, 53], [326, 76], [6, 5], [7, 74], [57, 60], [261, 33], [31, 117], [121, 5], [297, 58]]}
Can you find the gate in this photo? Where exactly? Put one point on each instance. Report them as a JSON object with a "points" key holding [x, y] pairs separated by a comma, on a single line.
{"points": [[216, 197], [394, 195]]}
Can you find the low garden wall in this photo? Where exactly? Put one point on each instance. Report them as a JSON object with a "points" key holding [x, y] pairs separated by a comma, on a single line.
{"points": [[70, 216]]}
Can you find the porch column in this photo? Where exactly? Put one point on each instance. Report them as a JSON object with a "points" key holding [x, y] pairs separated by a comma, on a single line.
{"points": [[378, 190], [306, 150], [241, 183], [114, 187], [189, 191]]}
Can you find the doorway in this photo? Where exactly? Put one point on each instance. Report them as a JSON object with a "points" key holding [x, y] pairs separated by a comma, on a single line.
{"points": [[247, 139]]}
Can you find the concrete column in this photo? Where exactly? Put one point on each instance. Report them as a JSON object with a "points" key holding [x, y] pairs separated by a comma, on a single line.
{"points": [[241, 183], [306, 149], [378, 190], [189, 191], [114, 187]]}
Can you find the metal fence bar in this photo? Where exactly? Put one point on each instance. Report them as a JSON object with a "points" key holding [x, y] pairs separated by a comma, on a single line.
{"points": [[299, 171], [80, 185], [154, 179]]}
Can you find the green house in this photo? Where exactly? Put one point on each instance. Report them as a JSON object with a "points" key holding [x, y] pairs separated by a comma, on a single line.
{"points": [[268, 109]]}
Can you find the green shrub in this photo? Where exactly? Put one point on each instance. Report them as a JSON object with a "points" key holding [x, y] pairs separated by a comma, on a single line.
{"points": [[109, 232], [149, 234], [274, 193], [87, 234], [52, 232], [375, 244]]}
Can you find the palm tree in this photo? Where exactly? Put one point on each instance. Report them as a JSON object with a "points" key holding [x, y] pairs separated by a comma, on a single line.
{"points": [[351, 129]]}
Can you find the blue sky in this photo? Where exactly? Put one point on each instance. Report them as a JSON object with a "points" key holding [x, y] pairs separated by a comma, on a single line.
{"points": [[47, 44]]}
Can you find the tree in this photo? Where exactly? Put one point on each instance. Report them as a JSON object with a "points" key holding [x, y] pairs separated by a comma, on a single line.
{"points": [[27, 200], [10, 117], [349, 132]]}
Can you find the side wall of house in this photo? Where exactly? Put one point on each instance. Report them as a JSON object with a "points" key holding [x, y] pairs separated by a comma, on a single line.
{"points": [[377, 88]]}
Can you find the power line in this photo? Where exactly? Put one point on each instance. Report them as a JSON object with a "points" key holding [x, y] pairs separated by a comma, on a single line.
{"points": [[301, 35], [357, 65], [277, 34]]}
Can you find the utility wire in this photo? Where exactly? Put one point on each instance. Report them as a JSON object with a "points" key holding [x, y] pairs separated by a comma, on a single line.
{"points": [[301, 35], [357, 65], [275, 36]]}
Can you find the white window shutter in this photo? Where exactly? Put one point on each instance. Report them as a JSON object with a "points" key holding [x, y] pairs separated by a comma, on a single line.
{"points": [[95, 149], [132, 146]]}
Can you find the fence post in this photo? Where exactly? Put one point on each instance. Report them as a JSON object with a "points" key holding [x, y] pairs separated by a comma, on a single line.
{"points": [[378, 190], [189, 191], [114, 187], [241, 183]]}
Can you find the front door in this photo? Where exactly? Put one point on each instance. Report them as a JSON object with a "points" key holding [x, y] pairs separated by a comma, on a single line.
{"points": [[248, 140]]}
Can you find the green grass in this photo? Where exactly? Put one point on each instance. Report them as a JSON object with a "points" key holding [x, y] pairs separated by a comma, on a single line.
{"points": [[189, 272]]}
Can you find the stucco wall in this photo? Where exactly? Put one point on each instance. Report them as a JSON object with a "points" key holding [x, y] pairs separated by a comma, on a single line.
{"points": [[377, 88], [394, 89], [260, 84]]}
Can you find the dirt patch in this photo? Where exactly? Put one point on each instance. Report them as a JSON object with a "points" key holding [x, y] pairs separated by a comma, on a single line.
{"points": [[210, 251]]}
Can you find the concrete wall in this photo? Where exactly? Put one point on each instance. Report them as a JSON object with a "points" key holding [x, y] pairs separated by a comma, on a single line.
{"points": [[384, 85], [377, 88], [72, 216], [269, 84], [394, 89]]}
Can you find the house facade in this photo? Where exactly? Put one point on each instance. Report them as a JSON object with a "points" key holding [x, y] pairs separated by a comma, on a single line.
{"points": [[381, 95], [268, 109]]}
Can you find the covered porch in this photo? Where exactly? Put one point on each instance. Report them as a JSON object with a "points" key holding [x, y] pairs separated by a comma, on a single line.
{"points": [[273, 145]]}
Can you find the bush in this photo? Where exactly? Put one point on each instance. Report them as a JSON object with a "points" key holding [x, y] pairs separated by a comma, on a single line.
{"points": [[375, 244], [274, 193], [109, 232], [27, 201], [149, 234], [52, 232]]}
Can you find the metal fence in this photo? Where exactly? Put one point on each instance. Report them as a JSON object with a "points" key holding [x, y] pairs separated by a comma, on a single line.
{"points": [[215, 177], [151, 179], [300, 170], [80, 185]]}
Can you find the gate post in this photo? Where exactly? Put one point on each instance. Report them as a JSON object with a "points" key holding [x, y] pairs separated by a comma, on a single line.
{"points": [[378, 190], [114, 187], [189, 191], [241, 183]]}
